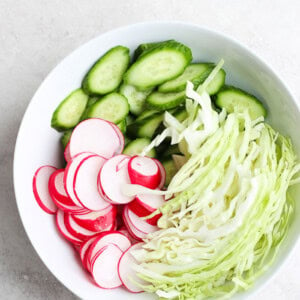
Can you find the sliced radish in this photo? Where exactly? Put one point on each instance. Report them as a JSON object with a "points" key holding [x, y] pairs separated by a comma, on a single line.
{"points": [[69, 175], [57, 189], [67, 154], [162, 172], [145, 204], [97, 220], [85, 247], [127, 273], [85, 183], [41, 190], [136, 226], [60, 222], [105, 238], [77, 230], [120, 135], [126, 233], [70, 208], [112, 176], [97, 136], [105, 267], [144, 171]]}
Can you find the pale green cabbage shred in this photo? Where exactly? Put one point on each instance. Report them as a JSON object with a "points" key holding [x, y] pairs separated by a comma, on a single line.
{"points": [[231, 206]]}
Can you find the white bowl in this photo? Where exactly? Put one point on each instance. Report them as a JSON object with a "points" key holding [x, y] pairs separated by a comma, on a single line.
{"points": [[38, 143]]}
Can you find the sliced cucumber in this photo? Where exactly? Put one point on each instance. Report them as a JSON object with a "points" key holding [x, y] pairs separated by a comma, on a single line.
{"points": [[171, 170], [217, 83], [106, 74], [112, 107], [193, 73], [146, 114], [69, 111], [162, 101], [136, 147], [234, 99], [196, 73], [136, 99], [161, 63], [129, 119], [143, 48], [90, 102], [122, 125], [66, 137], [180, 114], [145, 127]]}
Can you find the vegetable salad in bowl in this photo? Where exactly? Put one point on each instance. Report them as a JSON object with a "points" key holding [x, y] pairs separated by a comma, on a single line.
{"points": [[174, 183]]}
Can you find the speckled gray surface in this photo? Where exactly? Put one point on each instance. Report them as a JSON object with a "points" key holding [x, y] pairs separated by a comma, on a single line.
{"points": [[36, 34]]}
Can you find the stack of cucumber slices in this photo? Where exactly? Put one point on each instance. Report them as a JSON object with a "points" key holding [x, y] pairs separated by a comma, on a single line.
{"points": [[135, 93]]}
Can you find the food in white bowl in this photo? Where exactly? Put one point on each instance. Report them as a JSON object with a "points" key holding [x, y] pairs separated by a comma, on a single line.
{"points": [[224, 211]]}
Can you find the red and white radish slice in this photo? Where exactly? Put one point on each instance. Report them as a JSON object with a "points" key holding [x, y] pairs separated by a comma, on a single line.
{"points": [[97, 220], [70, 208], [60, 222], [126, 271], [104, 267], [162, 172], [112, 176], [41, 190], [69, 175], [145, 204], [57, 189], [103, 240], [120, 135], [76, 230], [136, 226], [85, 247], [67, 154], [126, 233], [144, 171], [97, 136], [85, 183]]}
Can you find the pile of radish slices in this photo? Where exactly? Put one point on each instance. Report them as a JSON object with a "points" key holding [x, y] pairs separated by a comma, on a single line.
{"points": [[91, 211]]}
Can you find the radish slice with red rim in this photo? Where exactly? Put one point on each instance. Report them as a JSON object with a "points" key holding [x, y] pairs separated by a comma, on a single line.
{"points": [[126, 273], [144, 171], [95, 135], [138, 227], [70, 174], [85, 183], [120, 135], [105, 238], [162, 172], [40, 186], [112, 176], [97, 220], [70, 208], [57, 189], [104, 267], [84, 249], [60, 222], [77, 230], [67, 154]]}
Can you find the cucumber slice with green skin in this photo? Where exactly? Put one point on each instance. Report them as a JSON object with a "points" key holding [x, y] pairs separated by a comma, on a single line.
{"points": [[162, 101], [69, 111], [129, 119], [143, 48], [66, 137], [90, 102], [112, 107], [122, 126], [234, 99], [171, 170], [196, 73], [193, 73], [146, 114], [107, 73], [136, 99], [137, 146], [159, 64], [145, 127], [217, 83], [180, 114]]}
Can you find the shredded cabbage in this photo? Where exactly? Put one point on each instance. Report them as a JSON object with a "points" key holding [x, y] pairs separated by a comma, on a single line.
{"points": [[230, 208]]}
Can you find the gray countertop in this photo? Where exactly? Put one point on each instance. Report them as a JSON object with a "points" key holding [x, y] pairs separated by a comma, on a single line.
{"points": [[36, 34]]}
